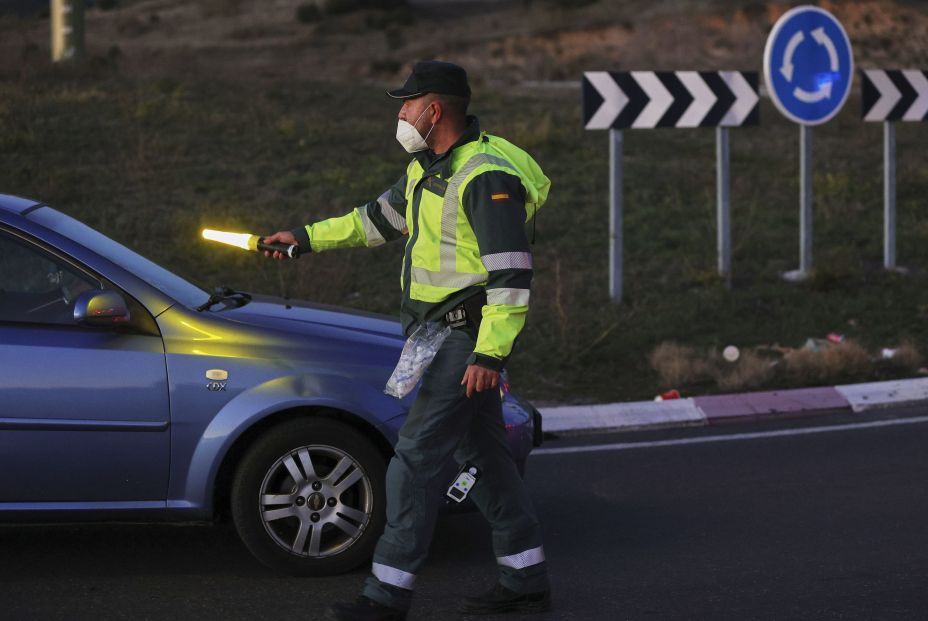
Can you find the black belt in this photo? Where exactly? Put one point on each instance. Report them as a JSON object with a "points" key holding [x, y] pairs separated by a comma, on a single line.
{"points": [[468, 313]]}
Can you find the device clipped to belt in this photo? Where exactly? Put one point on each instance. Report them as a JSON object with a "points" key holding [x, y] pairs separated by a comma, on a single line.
{"points": [[467, 313], [463, 483]]}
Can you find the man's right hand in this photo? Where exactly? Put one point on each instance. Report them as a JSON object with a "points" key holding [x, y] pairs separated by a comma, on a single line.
{"points": [[282, 237]]}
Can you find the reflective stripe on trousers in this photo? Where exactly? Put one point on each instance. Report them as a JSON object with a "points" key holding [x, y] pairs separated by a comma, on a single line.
{"points": [[523, 559], [393, 576]]}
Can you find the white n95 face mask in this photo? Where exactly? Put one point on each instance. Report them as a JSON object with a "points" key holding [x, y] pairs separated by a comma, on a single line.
{"points": [[408, 136]]}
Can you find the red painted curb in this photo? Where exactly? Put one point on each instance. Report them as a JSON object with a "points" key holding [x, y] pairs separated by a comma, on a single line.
{"points": [[721, 408]]}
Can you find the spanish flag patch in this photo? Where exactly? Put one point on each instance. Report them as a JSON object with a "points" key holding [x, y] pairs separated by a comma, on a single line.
{"points": [[499, 196]]}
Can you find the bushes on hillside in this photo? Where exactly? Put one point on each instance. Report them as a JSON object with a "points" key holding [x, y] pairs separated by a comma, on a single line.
{"points": [[309, 12]]}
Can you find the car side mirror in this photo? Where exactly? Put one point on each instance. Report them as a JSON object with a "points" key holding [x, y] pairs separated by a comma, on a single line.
{"points": [[100, 308]]}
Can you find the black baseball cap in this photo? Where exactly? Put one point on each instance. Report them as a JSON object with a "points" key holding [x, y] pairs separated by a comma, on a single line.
{"points": [[433, 76]]}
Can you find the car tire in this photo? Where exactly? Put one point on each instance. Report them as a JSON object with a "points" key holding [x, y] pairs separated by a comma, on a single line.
{"points": [[308, 497]]}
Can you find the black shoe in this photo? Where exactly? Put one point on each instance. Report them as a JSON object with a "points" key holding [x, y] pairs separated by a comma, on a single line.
{"points": [[364, 609], [501, 599]]}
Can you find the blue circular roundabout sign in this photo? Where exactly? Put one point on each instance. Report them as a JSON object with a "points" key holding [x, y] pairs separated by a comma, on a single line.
{"points": [[808, 65]]}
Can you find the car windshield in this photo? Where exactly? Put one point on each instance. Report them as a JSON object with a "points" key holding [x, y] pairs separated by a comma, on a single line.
{"points": [[167, 282]]}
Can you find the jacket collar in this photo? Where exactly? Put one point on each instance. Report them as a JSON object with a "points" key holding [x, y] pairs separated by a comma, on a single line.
{"points": [[432, 163]]}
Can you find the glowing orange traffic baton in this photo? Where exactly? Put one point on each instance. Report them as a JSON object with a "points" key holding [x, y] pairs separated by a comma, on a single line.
{"points": [[247, 241]]}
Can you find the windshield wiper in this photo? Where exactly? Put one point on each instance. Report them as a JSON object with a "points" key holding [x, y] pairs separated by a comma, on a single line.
{"points": [[223, 294]]}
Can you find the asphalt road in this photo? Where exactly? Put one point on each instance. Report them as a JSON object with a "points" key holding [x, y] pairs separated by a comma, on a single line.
{"points": [[824, 525]]}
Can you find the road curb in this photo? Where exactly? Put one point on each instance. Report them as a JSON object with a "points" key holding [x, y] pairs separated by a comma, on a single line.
{"points": [[877, 395], [728, 408], [610, 416]]}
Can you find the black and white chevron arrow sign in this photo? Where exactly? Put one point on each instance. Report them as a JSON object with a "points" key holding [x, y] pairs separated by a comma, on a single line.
{"points": [[645, 99], [891, 95]]}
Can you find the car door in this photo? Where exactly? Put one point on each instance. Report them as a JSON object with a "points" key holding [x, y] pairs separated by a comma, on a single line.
{"points": [[84, 411]]}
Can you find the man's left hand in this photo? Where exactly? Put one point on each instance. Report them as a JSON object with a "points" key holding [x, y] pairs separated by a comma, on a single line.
{"points": [[479, 378]]}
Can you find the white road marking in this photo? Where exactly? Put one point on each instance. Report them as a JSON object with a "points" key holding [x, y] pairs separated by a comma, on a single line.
{"points": [[624, 446]]}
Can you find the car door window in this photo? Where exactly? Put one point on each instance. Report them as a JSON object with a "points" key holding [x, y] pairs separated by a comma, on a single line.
{"points": [[37, 287]]}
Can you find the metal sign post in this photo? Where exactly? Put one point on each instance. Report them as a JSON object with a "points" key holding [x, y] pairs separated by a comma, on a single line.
{"points": [[808, 68], [648, 99], [805, 199], [888, 96], [889, 196], [724, 204], [615, 215]]}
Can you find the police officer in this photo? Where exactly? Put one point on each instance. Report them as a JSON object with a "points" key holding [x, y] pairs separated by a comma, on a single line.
{"points": [[462, 203]]}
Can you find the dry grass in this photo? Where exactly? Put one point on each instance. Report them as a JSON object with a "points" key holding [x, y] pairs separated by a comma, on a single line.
{"points": [[748, 372], [906, 358], [800, 363], [677, 365], [847, 359], [680, 366]]}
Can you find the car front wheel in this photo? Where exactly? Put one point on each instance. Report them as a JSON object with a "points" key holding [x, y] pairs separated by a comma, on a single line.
{"points": [[308, 497]]}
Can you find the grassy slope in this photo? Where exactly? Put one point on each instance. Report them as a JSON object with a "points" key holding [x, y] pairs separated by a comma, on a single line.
{"points": [[151, 162]]}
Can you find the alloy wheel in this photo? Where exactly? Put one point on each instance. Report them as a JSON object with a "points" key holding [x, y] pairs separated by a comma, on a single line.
{"points": [[315, 501]]}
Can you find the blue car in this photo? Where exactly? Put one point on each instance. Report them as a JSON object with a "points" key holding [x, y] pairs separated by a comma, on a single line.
{"points": [[126, 392]]}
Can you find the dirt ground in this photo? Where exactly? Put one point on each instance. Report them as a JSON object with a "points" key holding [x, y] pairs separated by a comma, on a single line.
{"points": [[502, 42]]}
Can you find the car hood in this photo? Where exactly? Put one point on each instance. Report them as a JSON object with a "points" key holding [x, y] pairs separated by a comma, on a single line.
{"points": [[300, 315]]}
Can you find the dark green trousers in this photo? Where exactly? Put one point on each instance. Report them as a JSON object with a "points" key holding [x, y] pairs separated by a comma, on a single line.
{"points": [[443, 423]]}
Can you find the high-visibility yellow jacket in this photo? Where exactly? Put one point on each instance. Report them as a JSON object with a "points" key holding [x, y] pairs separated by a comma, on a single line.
{"points": [[464, 214]]}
